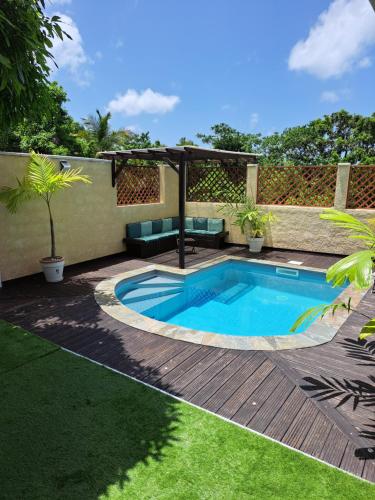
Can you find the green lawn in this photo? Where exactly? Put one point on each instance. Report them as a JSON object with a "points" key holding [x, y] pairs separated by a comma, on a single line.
{"points": [[74, 430]]}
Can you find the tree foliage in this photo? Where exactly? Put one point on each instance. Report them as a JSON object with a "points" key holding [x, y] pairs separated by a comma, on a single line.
{"points": [[340, 136], [184, 141], [55, 132], [26, 36], [226, 137], [58, 133]]}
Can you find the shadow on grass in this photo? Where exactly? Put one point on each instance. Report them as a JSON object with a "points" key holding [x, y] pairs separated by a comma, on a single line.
{"points": [[70, 428]]}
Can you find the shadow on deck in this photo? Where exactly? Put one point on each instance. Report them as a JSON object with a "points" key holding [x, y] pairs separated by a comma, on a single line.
{"points": [[318, 400]]}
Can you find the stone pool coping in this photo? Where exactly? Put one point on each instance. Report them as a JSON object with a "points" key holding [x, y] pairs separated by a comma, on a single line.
{"points": [[320, 331]]}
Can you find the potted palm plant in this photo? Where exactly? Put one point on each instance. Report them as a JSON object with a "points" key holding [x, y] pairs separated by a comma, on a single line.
{"points": [[42, 180], [251, 220]]}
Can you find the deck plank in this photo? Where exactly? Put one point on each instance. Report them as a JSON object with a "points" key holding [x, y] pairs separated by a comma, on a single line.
{"points": [[225, 382]]}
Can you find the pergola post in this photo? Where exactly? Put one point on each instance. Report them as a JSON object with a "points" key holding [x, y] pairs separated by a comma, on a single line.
{"points": [[181, 211]]}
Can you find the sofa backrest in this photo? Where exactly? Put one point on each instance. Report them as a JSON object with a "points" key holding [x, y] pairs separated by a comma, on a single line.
{"points": [[146, 228]]}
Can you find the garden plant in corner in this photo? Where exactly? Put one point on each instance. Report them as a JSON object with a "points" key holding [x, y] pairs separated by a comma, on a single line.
{"points": [[251, 220], [42, 180], [356, 268]]}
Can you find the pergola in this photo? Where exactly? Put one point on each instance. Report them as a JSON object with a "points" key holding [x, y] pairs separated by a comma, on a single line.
{"points": [[177, 157]]}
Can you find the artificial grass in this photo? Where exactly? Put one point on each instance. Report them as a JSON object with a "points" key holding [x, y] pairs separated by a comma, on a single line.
{"points": [[70, 429]]}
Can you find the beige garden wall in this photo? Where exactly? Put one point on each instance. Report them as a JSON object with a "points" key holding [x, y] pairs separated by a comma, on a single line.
{"points": [[297, 228], [89, 224]]}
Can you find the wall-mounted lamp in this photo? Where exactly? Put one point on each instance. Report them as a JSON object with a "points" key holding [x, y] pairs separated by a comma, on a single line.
{"points": [[64, 165]]}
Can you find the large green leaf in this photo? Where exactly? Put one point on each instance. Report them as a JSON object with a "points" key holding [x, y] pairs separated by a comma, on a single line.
{"points": [[42, 179], [347, 221], [321, 310], [357, 268], [368, 330]]}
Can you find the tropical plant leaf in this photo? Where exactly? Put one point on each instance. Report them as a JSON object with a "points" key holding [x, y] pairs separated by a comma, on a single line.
{"points": [[13, 198], [367, 330], [347, 221], [357, 268], [42, 179], [320, 310]]}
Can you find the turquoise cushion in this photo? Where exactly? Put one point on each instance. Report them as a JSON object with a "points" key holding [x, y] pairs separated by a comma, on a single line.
{"points": [[158, 236], [133, 230], [215, 225], [174, 232], [200, 231], [146, 228], [166, 225], [175, 222], [189, 223], [200, 223], [156, 226], [150, 237]]}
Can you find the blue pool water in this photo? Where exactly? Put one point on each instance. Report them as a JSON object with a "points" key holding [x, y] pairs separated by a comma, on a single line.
{"points": [[232, 298]]}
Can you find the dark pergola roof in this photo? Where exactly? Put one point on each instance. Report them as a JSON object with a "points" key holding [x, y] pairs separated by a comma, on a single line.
{"points": [[177, 157], [177, 153]]}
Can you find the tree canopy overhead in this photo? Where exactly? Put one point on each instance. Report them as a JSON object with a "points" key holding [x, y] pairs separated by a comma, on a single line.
{"points": [[26, 37]]}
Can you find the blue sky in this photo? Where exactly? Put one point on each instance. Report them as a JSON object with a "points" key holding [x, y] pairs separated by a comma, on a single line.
{"points": [[176, 68]]}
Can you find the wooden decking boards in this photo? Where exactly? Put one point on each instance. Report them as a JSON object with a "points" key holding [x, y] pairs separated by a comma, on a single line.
{"points": [[279, 394]]}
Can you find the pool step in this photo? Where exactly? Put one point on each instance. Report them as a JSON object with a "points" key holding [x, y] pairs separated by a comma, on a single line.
{"points": [[143, 306], [140, 294], [161, 281], [231, 294]]}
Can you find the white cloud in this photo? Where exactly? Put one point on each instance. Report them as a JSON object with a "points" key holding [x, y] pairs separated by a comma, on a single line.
{"points": [[365, 62], [329, 96], [119, 43], [69, 54], [134, 103], [333, 96], [254, 119], [337, 41], [99, 54]]}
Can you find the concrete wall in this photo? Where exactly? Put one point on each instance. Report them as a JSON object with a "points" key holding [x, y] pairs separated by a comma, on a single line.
{"points": [[297, 228], [88, 222]]}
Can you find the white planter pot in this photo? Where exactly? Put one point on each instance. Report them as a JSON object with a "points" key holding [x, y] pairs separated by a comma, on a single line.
{"points": [[53, 269], [255, 244]]}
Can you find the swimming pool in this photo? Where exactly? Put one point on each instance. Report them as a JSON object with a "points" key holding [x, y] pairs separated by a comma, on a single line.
{"points": [[231, 298], [228, 302]]}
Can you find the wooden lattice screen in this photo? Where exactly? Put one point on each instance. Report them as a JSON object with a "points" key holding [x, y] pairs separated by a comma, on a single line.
{"points": [[361, 192], [138, 184], [216, 183], [312, 186]]}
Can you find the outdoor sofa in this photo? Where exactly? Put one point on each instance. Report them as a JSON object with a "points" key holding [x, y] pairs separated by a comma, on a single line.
{"points": [[148, 238]]}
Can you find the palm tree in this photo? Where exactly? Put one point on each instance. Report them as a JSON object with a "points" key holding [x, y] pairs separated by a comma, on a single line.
{"points": [[41, 180], [99, 130]]}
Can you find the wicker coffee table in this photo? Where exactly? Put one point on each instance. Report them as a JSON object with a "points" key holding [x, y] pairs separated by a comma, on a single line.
{"points": [[189, 242]]}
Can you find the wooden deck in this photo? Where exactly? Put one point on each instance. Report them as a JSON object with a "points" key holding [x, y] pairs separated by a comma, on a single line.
{"points": [[318, 400]]}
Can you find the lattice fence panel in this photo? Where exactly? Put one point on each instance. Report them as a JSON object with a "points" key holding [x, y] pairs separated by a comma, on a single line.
{"points": [[312, 186], [137, 184], [362, 187], [216, 183]]}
